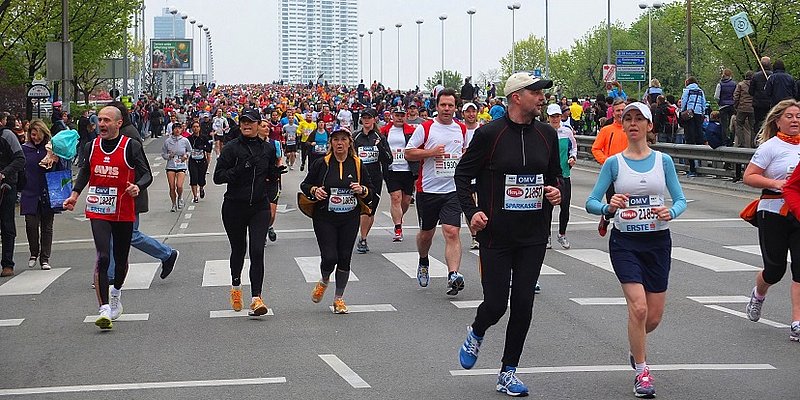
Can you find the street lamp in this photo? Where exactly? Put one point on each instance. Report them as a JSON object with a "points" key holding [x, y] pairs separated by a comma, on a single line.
{"points": [[419, 21], [184, 17], [200, 28], [471, 12], [442, 18], [361, 55], [398, 26], [193, 21], [370, 32], [208, 54], [513, 7], [649, 8], [174, 12], [547, 39], [381, 28]]}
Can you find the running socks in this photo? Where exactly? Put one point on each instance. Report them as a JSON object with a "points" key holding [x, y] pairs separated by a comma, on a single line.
{"points": [[758, 296], [640, 367], [424, 261]]}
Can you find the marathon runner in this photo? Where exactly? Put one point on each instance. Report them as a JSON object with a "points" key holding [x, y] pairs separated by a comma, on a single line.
{"points": [[176, 150], [199, 161], [306, 127], [290, 138], [470, 113], [401, 173], [373, 150], [568, 152]]}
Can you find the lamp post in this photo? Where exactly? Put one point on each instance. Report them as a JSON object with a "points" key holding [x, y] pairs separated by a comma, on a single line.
{"points": [[419, 21], [193, 21], [442, 18], [184, 17], [470, 12], [513, 7], [398, 26], [208, 52], [174, 12], [381, 28], [370, 32], [547, 39], [361, 55], [135, 55], [200, 70], [608, 33], [649, 8]]}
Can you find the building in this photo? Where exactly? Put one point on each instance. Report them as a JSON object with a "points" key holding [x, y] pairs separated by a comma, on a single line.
{"points": [[164, 24], [318, 37]]}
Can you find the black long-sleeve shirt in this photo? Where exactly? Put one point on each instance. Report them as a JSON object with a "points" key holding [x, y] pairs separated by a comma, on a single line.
{"points": [[335, 175], [135, 155], [12, 159], [499, 149]]}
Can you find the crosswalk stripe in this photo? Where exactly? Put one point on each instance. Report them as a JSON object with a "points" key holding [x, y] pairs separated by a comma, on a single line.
{"points": [[753, 249], [743, 315], [218, 273], [31, 282], [707, 261], [11, 322], [140, 275], [468, 303], [368, 308], [309, 266], [233, 314], [613, 368], [408, 262], [123, 318], [546, 270], [597, 258], [344, 371], [600, 301], [719, 299]]}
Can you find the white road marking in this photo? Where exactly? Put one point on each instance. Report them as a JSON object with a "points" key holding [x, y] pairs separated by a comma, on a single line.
{"points": [[32, 281], [11, 322], [408, 262], [753, 249], [466, 303], [190, 208], [612, 368], [233, 314], [309, 266], [708, 261], [187, 216], [600, 301], [546, 270], [184, 225], [283, 209], [81, 219], [139, 386], [157, 164], [122, 318], [344, 371], [155, 174], [743, 315], [218, 273], [368, 308], [719, 299], [140, 275], [597, 258]]}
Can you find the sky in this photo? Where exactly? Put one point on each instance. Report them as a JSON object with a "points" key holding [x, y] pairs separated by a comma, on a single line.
{"points": [[245, 33]]}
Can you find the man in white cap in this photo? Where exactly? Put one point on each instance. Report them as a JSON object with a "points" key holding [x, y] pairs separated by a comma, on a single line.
{"points": [[514, 160]]}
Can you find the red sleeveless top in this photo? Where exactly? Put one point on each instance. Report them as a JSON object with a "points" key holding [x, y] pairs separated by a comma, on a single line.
{"points": [[106, 198]]}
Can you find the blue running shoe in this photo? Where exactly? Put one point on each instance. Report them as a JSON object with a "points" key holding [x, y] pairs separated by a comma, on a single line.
{"points": [[508, 383], [468, 354], [455, 284], [643, 385], [422, 275]]}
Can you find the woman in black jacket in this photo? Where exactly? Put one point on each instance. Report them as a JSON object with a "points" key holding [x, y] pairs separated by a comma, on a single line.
{"points": [[340, 184], [245, 164]]}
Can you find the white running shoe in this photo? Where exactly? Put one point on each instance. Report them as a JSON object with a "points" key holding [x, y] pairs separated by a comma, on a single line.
{"points": [[103, 320], [562, 240], [115, 305]]}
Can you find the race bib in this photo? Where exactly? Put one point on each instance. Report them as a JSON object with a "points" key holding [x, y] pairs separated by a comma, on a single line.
{"points": [[398, 155], [180, 164], [445, 165], [639, 215], [101, 200], [320, 148], [198, 154], [368, 154], [291, 141], [523, 192], [341, 200]]}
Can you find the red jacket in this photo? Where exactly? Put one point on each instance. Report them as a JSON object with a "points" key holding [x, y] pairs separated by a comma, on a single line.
{"points": [[791, 193]]}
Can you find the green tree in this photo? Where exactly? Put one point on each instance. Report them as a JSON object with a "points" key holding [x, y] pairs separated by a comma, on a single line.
{"points": [[452, 79]]}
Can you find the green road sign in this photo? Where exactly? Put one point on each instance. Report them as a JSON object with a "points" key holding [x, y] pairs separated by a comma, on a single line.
{"points": [[624, 76]]}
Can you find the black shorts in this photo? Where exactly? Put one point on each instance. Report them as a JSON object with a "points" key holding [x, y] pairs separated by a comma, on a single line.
{"points": [[400, 180], [433, 208], [273, 192], [291, 148], [642, 258], [219, 138], [176, 170]]}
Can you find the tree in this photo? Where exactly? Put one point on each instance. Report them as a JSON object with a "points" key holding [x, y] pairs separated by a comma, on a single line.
{"points": [[491, 75], [452, 79]]}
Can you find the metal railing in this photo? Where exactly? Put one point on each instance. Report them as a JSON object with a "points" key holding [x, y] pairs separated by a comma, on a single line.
{"points": [[712, 161]]}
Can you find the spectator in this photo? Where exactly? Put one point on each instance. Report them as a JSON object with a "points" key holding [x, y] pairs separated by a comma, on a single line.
{"points": [[743, 104], [761, 100], [712, 133], [780, 85], [467, 91], [614, 90], [12, 163], [652, 93], [497, 111], [693, 105], [724, 96]]}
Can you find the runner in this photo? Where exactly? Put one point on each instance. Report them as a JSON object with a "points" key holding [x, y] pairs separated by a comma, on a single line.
{"points": [[610, 140], [199, 161], [290, 138], [245, 165], [772, 165], [220, 127], [640, 245], [470, 113], [273, 183], [413, 117], [438, 144], [568, 153], [336, 182], [318, 143], [176, 150], [401, 173], [116, 171], [511, 155], [306, 127], [373, 150]]}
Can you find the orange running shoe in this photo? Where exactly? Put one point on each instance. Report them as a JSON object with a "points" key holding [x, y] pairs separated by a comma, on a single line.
{"points": [[339, 307], [236, 299], [257, 307], [319, 291]]}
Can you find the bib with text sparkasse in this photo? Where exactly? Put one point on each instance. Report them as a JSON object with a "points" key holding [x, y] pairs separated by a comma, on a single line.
{"points": [[523, 192]]}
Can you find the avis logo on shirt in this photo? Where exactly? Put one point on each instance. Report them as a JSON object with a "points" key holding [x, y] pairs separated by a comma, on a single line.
{"points": [[105, 170]]}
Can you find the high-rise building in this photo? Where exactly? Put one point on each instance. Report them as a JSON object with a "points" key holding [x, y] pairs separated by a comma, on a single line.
{"points": [[319, 37], [165, 24]]}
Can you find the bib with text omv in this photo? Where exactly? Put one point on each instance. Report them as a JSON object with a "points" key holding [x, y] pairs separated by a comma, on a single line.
{"points": [[341, 200], [523, 192], [368, 154], [639, 215]]}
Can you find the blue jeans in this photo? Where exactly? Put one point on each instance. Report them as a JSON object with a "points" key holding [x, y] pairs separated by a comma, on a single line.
{"points": [[145, 244]]}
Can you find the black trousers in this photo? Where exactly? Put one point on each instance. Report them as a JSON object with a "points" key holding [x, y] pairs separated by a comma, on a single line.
{"points": [[563, 215], [8, 230], [495, 268], [239, 219], [103, 233], [336, 238], [197, 172]]}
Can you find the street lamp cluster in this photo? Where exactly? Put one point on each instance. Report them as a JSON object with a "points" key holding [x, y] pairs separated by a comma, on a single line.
{"points": [[649, 7]]}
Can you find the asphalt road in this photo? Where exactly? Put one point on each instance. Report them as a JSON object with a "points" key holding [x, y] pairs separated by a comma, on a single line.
{"points": [[406, 347]]}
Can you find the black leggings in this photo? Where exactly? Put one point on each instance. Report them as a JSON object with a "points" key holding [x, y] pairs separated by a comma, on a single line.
{"points": [[304, 153], [495, 267], [777, 235], [104, 232], [239, 219], [563, 215], [336, 238], [197, 172]]}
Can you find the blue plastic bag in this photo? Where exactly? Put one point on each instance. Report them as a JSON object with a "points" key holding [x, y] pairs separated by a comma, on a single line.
{"points": [[65, 144], [59, 187]]}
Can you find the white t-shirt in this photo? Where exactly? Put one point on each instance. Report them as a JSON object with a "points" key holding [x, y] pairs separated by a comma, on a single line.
{"points": [[397, 144], [436, 175], [470, 134], [345, 118], [218, 125], [778, 159]]}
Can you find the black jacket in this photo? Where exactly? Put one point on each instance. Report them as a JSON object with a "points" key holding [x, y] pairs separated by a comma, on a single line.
{"points": [[468, 92], [335, 174], [373, 139], [502, 148], [246, 164], [780, 86], [12, 159], [760, 97]]}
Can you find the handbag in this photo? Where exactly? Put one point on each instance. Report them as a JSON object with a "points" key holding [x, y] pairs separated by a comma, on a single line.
{"points": [[687, 114], [750, 211], [305, 205], [59, 187]]}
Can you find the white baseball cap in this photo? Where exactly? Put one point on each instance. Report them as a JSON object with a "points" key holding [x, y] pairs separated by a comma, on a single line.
{"points": [[643, 108], [553, 109], [468, 105], [524, 80]]}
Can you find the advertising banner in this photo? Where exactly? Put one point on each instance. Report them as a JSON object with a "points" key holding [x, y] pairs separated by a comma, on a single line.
{"points": [[171, 54]]}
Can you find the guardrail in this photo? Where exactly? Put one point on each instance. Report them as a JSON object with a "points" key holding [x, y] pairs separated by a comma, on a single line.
{"points": [[712, 161]]}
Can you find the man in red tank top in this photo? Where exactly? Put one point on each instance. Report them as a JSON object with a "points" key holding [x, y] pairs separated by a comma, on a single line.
{"points": [[115, 173]]}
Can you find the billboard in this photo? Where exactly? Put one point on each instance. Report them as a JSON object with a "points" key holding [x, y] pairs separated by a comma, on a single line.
{"points": [[171, 54]]}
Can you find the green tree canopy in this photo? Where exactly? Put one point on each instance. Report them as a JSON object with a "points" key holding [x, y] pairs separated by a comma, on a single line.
{"points": [[452, 79]]}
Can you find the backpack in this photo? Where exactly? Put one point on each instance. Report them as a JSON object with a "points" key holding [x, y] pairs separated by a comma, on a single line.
{"points": [[672, 116]]}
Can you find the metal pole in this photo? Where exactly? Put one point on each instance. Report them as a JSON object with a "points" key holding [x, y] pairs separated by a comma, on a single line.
{"points": [[547, 39], [688, 38], [513, 56], [649, 44], [370, 58], [361, 56], [608, 34], [442, 18], [419, 35], [136, 56], [398, 25], [144, 50], [471, 12], [64, 40], [125, 65], [381, 30]]}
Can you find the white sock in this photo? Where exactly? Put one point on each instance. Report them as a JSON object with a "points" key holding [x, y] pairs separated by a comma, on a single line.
{"points": [[640, 367], [105, 307], [115, 292]]}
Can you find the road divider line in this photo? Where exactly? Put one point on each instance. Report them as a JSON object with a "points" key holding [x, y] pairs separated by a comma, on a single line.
{"points": [[600, 301], [218, 273], [123, 318], [597, 258], [719, 299], [190, 208], [140, 275], [309, 266], [546, 270], [368, 308], [11, 322], [710, 262], [140, 386], [187, 216], [743, 315], [184, 225], [344, 371], [614, 368], [233, 314], [408, 262]]}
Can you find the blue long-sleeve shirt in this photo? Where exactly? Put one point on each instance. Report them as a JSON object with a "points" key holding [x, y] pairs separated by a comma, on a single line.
{"points": [[693, 98], [610, 170]]}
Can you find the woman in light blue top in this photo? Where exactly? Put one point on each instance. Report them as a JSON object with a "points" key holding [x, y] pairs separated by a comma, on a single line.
{"points": [[176, 151], [640, 245]]}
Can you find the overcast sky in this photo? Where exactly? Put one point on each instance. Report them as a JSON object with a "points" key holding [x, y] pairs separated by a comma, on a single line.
{"points": [[245, 32]]}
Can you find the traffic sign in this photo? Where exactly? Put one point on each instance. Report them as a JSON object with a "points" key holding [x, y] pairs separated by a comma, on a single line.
{"points": [[630, 65], [741, 25], [609, 72], [630, 76], [630, 53], [630, 60], [630, 68], [39, 91]]}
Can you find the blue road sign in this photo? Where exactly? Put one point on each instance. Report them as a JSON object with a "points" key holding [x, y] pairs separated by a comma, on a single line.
{"points": [[630, 53], [630, 60]]}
